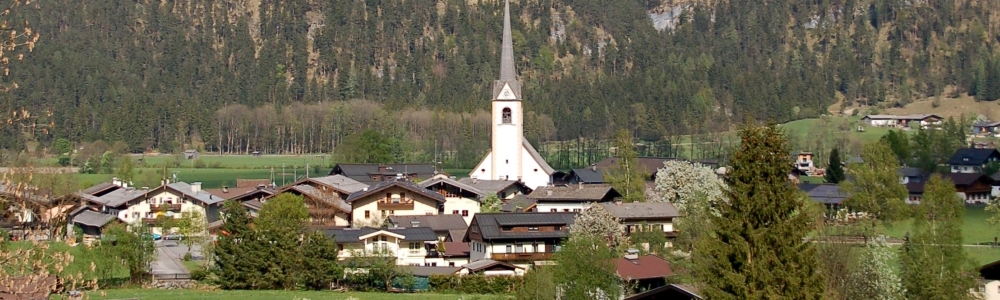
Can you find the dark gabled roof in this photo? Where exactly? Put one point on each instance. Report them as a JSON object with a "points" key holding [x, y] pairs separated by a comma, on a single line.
{"points": [[986, 124], [537, 157], [92, 218], [574, 193], [911, 172], [488, 225], [972, 156], [519, 203], [363, 172], [670, 291], [97, 189], [825, 193], [642, 210], [455, 183], [351, 235], [587, 175], [483, 264], [492, 186], [967, 178], [990, 271], [915, 187], [253, 204], [438, 223], [381, 186]]}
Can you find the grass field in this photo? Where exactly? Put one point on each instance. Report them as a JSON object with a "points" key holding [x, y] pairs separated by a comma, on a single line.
{"points": [[975, 229], [145, 294], [802, 127]]}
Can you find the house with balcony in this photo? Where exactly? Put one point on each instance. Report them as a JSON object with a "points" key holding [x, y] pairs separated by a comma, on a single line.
{"points": [[449, 227], [408, 246], [646, 217], [804, 161], [572, 198], [245, 190], [972, 160], [505, 189], [460, 199], [394, 198], [521, 239], [325, 199], [147, 205]]}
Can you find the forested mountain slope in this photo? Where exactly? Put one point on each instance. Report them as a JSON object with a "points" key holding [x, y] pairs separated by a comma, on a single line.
{"points": [[243, 75]]}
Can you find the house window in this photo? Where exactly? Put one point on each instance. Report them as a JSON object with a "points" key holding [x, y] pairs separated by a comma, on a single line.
{"points": [[340, 247], [465, 213], [506, 115], [576, 210], [388, 196], [402, 196], [392, 212], [368, 214], [555, 210], [508, 249], [565, 209], [506, 228], [534, 247], [532, 228], [454, 212], [503, 195], [519, 248], [451, 264], [434, 264], [383, 212], [414, 246]]}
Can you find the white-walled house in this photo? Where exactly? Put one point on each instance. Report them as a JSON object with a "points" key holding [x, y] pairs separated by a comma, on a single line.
{"points": [[645, 217], [520, 239], [325, 198], [572, 198], [448, 227], [397, 197], [972, 160], [460, 199], [131, 205], [409, 246]]}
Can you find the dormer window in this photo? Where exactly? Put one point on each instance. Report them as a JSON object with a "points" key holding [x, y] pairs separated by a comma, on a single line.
{"points": [[506, 115], [965, 159], [506, 228]]}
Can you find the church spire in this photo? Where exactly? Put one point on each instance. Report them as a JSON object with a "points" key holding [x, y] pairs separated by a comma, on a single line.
{"points": [[507, 71], [507, 87]]}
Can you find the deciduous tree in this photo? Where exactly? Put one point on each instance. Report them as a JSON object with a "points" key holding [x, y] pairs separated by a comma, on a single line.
{"points": [[626, 177], [934, 263], [491, 203], [598, 221], [584, 268], [133, 245], [874, 185], [282, 222], [757, 249], [874, 276]]}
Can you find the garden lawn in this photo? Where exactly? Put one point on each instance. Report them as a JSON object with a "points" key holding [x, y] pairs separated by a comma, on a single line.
{"points": [[975, 229], [150, 294]]}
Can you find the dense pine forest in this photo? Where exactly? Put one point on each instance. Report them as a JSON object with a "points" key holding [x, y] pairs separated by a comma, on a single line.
{"points": [[298, 76]]}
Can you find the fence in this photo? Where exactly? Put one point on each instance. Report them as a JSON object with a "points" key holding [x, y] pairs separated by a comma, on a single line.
{"points": [[175, 276]]}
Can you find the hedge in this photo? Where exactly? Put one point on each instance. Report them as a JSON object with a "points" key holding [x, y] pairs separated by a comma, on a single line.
{"points": [[474, 284]]}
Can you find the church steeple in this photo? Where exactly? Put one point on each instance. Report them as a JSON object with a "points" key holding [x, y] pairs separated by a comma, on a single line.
{"points": [[508, 74]]}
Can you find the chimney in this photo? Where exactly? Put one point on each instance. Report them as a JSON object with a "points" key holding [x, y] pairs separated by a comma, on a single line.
{"points": [[225, 188], [116, 181], [399, 176], [382, 169], [196, 187], [261, 186], [632, 254], [618, 201], [475, 179], [580, 185], [415, 223], [548, 192], [593, 167]]}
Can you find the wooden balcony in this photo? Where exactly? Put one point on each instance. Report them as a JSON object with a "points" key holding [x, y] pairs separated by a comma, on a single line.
{"points": [[149, 220], [402, 205], [165, 207], [522, 256]]}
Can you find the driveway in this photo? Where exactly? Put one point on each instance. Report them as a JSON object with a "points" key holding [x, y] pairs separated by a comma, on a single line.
{"points": [[167, 262]]}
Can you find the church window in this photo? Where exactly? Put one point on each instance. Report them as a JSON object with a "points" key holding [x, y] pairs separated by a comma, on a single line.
{"points": [[506, 115], [506, 161]]}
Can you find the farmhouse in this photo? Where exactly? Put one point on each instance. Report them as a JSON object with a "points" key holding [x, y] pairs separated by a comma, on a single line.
{"points": [[409, 246], [573, 198], [986, 128], [517, 238], [131, 205], [827, 194], [460, 199], [646, 217], [374, 173], [325, 198], [905, 121], [397, 197]]}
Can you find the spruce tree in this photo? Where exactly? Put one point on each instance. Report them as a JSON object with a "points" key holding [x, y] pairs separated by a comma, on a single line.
{"points": [[239, 254], [756, 248], [835, 170], [934, 263]]}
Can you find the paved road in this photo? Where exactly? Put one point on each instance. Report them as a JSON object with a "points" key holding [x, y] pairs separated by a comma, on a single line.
{"points": [[166, 261]]}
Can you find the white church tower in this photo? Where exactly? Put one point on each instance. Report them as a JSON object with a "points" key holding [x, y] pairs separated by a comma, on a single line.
{"points": [[511, 156]]}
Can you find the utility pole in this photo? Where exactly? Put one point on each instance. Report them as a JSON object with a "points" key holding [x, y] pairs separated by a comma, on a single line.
{"points": [[282, 173]]}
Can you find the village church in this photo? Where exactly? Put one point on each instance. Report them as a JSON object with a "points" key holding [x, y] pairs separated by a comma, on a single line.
{"points": [[511, 156]]}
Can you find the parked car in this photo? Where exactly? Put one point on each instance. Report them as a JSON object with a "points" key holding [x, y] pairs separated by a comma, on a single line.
{"points": [[173, 237]]}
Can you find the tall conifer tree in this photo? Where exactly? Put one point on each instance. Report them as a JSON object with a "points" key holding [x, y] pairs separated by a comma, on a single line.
{"points": [[757, 249], [835, 170]]}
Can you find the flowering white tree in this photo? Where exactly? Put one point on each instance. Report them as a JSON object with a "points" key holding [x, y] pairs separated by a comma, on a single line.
{"points": [[599, 222], [682, 182], [874, 277]]}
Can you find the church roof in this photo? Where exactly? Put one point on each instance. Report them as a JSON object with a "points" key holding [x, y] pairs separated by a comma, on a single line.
{"points": [[508, 74], [537, 157]]}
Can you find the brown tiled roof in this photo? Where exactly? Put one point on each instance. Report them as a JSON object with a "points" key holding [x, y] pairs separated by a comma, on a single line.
{"points": [[580, 192], [642, 210], [28, 287], [456, 249], [252, 183], [644, 267], [317, 195]]}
